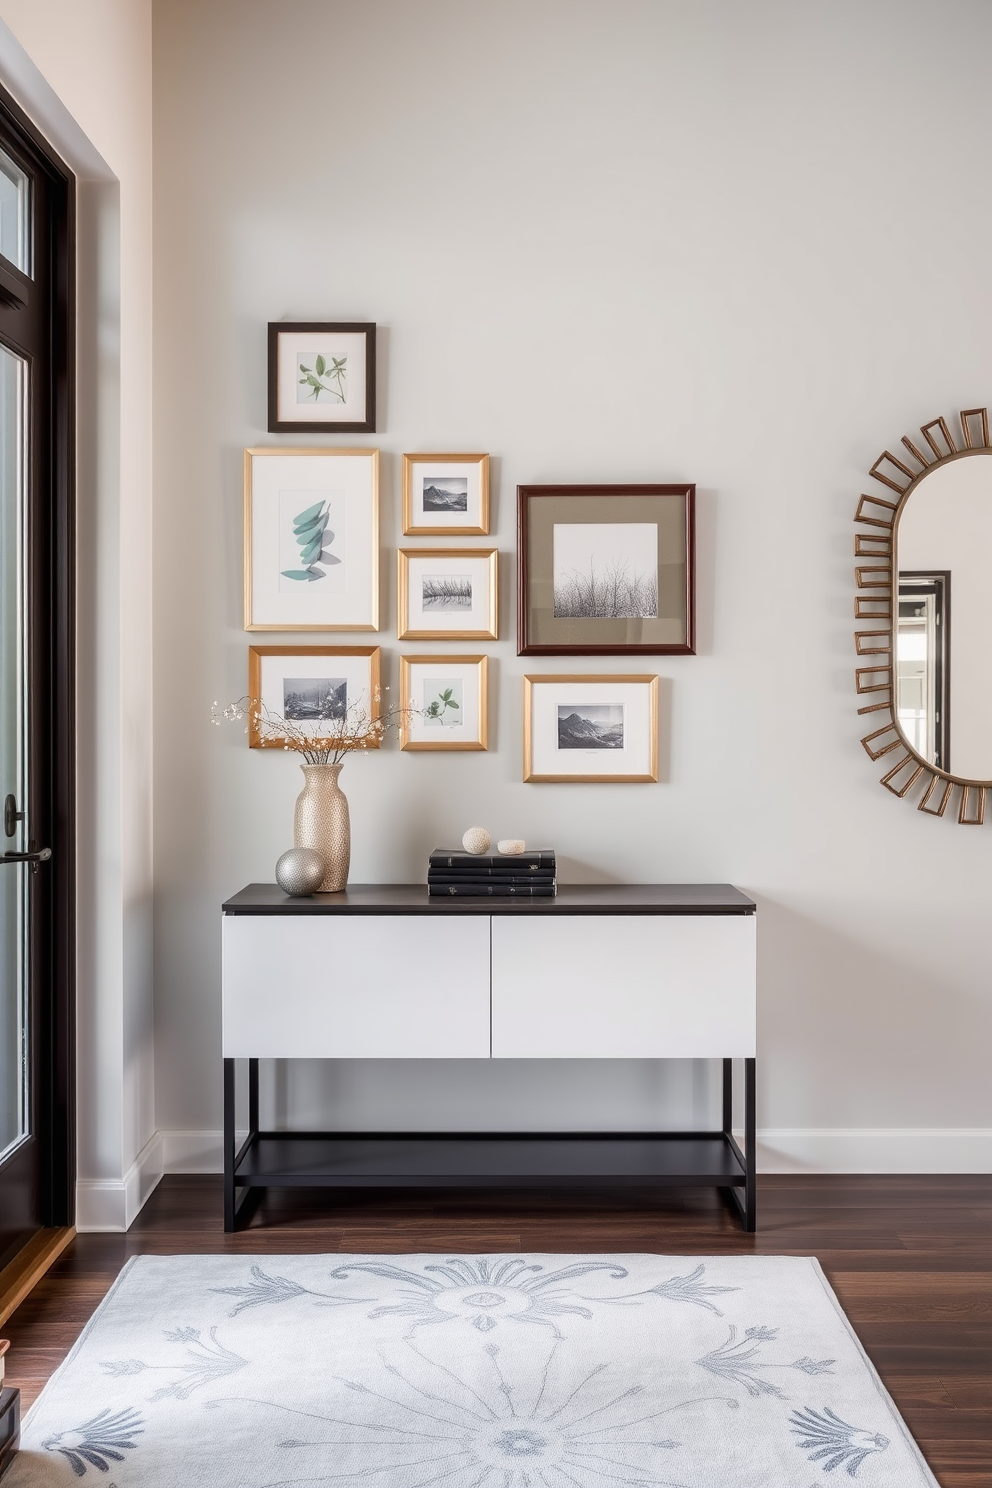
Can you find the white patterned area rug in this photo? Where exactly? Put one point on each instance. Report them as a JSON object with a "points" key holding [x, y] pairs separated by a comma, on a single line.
{"points": [[436, 1371]]}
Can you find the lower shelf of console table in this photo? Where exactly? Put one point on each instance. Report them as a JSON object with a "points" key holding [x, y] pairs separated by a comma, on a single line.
{"points": [[601, 971]]}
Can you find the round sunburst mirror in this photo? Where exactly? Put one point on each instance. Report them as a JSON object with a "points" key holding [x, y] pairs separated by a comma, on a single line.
{"points": [[922, 552]]}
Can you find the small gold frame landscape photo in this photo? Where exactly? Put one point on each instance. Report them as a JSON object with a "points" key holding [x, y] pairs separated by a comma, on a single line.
{"points": [[586, 728], [446, 495]]}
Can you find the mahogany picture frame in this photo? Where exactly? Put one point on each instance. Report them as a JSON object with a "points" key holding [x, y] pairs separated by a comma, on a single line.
{"points": [[561, 611]]}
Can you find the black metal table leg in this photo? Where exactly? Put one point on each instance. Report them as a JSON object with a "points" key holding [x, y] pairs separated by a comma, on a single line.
{"points": [[229, 1141], [750, 1188], [728, 1097], [253, 1096]]}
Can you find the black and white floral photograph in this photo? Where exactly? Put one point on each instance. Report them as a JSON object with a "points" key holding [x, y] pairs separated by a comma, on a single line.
{"points": [[446, 495]]}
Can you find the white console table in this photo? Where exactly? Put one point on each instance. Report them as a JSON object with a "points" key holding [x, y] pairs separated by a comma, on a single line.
{"points": [[663, 971]]}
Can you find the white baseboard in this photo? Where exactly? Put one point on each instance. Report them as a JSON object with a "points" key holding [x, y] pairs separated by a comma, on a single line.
{"points": [[780, 1150], [113, 1203], [196, 1151], [878, 1150]]}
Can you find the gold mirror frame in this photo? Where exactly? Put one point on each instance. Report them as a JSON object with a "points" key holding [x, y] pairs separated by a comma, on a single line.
{"points": [[877, 577]]}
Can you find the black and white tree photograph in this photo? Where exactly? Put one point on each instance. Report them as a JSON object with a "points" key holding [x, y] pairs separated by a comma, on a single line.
{"points": [[605, 570], [590, 725], [446, 592], [314, 699], [445, 493]]}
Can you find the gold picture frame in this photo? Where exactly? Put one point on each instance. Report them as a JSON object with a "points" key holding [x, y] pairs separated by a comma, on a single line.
{"points": [[434, 691], [456, 585], [358, 666], [462, 494], [575, 720], [342, 480]]}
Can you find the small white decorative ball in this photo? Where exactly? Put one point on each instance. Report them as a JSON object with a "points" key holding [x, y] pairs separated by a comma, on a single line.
{"points": [[476, 840], [511, 845], [300, 871]]}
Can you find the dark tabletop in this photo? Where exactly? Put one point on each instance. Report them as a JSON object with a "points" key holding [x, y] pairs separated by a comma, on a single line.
{"points": [[571, 899]]}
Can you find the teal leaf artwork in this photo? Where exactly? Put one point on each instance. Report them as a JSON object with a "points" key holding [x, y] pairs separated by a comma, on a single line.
{"points": [[314, 540], [328, 377]]}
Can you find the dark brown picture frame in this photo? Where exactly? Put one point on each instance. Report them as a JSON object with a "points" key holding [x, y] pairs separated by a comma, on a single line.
{"points": [[540, 632], [279, 328]]}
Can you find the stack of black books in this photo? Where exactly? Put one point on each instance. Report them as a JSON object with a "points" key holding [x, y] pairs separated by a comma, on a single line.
{"points": [[526, 875]]}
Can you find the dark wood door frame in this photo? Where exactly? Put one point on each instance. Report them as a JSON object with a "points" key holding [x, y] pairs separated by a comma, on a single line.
{"points": [[51, 664]]}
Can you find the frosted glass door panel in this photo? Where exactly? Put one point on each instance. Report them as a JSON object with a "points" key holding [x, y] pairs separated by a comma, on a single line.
{"points": [[623, 986], [14, 1092], [356, 987]]}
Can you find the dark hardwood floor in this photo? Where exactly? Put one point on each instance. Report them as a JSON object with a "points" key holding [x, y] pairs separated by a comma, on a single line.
{"points": [[909, 1257]]}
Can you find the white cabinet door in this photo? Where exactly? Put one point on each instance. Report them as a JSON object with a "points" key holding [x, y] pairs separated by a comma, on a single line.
{"points": [[623, 986], [356, 987]]}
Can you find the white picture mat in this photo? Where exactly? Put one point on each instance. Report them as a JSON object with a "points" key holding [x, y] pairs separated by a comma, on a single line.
{"points": [[423, 471], [635, 756], [422, 732], [357, 670], [326, 343], [347, 599], [474, 617]]}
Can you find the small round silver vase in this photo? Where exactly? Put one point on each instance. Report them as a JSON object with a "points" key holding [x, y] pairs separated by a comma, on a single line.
{"points": [[300, 871]]}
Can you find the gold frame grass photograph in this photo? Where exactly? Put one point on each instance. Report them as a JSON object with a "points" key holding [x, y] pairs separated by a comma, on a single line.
{"points": [[457, 572]]}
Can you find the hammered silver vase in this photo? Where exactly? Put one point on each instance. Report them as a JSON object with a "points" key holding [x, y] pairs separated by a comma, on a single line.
{"points": [[322, 822]]}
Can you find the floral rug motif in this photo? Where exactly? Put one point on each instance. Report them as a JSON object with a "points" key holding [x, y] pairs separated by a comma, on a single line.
{"points": [[486, 1371]]}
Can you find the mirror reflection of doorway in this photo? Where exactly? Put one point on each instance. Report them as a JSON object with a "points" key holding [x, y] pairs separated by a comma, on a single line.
{"points": [[923, 670]]}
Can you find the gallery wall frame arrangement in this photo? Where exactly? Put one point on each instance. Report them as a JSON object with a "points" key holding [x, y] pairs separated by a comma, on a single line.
{"points": [[445, 495], [444, 702], [447, 594], [320, 690], [598, 727], [606, 570], [321, 376], [311, 539]]}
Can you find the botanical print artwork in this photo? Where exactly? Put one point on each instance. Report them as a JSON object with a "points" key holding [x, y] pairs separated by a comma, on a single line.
{"points": [[605, 570], [445, 493], [321, 379], [590, 725], [441, 592], [443, 702], [467, 1371], [315, 699], [308, 548]]}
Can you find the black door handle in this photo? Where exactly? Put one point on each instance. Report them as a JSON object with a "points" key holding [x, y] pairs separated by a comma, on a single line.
{"points": [[42, 856]]}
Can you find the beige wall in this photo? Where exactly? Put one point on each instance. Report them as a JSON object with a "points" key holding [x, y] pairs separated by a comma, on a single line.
{"points": [[83, 72], [626, 242]]}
